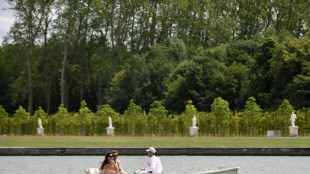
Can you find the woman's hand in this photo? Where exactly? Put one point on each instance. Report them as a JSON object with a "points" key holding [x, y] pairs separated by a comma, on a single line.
{"points": [[110, 160]]}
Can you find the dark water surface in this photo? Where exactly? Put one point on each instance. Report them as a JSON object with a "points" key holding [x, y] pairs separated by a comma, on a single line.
{"points": [[172, 164]]}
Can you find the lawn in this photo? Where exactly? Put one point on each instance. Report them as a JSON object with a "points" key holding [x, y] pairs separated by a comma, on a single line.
{"points": [[104, 141]]}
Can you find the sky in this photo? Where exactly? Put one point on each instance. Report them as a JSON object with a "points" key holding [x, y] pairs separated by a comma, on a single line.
{"points": [[6, 19]]}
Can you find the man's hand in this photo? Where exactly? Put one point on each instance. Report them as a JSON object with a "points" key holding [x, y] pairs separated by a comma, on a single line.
{"points": [[142, 169]]}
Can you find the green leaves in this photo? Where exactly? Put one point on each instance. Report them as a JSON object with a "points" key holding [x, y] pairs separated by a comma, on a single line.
{"points": [[114, 51], [220, 110], [252, 112], [3, 119]]}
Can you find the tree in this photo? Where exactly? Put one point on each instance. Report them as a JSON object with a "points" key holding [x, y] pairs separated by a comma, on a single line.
{"points": [[20, 117], [289, 65], [68, 18], [61, 118], [175, 99], [132, 82], [3, 119], [48, 71], [103, 112], [283, 114], [157, 116], [296, 55], [30, 15], [190, 112], [83, 117], [252, 113], [261, 81], [135, 119], [40, 114], [221, 112]]}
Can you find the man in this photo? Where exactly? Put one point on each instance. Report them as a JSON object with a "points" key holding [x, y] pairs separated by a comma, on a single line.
{"points": [[155, 164], [117, 162]]}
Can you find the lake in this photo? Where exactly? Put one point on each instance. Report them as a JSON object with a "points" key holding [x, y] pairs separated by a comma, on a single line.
{"points": [[171, 164]]}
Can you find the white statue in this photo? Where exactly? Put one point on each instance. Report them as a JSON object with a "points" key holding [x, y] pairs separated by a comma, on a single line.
{"points": [[194, 121], [40, 123], [293, 118], [110, 122]]}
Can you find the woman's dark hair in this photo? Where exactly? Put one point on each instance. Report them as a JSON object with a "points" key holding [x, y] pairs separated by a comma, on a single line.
{"points": [[106, 160]]}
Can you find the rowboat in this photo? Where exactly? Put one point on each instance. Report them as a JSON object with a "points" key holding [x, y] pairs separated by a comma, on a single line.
{"points": [[233, 170]]}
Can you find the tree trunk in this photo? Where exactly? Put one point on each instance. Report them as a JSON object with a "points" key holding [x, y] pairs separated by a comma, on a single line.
{"points": [[63, 68], [63, 72], [30, 87], [48, 97], [83, 54]]}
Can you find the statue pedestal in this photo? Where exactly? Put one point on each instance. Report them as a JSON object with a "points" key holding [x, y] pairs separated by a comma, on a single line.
{"points": [[293, 131], [40, 131], [193, 131], [110, 131]]}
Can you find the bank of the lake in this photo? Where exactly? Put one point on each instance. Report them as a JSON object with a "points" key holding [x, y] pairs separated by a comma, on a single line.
{"points": [[204, 146], [104, 141], [167, 151]]}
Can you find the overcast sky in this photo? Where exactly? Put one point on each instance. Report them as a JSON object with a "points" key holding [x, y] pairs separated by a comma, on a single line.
{"points": [[6, 19]]}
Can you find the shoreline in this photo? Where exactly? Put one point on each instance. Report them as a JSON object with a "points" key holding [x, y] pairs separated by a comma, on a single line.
{"points": [[163, 151]]}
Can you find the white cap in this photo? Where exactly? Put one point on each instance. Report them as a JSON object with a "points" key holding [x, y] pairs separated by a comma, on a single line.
{"points": [[151, 149]]}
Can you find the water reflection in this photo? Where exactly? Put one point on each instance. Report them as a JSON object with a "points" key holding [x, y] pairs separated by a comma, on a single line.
{"points": [[172, 164]]}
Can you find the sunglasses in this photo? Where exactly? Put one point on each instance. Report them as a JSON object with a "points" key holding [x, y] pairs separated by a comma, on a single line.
{"points": [[115, 155], [110, 156]]}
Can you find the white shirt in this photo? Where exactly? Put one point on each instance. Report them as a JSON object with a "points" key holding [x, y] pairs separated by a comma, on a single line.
{"points": [[155, 165]]}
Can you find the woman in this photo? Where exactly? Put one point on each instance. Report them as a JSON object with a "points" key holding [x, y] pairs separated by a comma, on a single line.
{"points": [[108, 166]]}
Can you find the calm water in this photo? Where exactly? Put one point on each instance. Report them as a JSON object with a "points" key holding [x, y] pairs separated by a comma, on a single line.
{"points": [[172, 164]]}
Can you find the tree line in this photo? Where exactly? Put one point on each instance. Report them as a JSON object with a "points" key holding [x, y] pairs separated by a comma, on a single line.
{"points": [[219, 122], [111, 52]]}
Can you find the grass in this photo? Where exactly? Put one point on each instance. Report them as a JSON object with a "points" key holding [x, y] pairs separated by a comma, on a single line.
{"points": [[103, 141]]}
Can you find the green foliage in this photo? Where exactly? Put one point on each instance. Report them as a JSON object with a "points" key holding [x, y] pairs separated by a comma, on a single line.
{"points": [[131, 83], [251, 115], [296, 55], [207, 125], [190, 112], [108, 53], [134, 122], [135, 119], [175, 94], [252, 112], [261, 80], [234, 125], [40, 114], [83, 118], [176, 49], [84, 114], [102, 121], [20, 117], [106, 111], [3, 120], [283, 114], [221, 112], [61, 118], [159, 112]]}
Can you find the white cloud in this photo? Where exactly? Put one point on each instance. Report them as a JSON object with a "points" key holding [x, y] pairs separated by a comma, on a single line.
{"points": [[6, 19], [6, 23]]}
